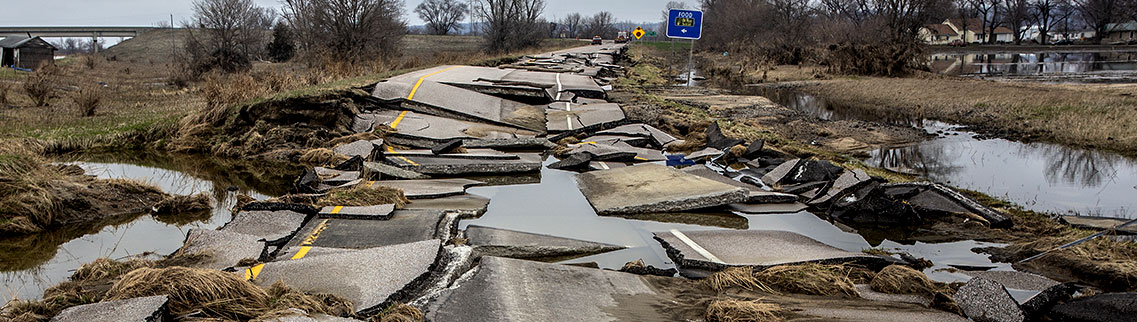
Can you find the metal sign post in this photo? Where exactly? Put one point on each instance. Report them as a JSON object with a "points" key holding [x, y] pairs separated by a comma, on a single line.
{"points": [[686, 24]]}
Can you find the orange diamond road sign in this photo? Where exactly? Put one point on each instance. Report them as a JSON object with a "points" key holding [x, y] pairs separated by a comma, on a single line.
{"points": [[639, 32]]}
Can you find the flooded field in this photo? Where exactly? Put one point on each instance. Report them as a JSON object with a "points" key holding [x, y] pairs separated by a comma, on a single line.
{"points": [[1091, 67], [36, 262], [1039, 176]]}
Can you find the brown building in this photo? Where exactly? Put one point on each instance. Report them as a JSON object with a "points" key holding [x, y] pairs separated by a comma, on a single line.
{"points": [[25, 52]]}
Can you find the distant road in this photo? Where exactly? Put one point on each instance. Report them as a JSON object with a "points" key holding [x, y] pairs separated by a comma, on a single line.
{"points": [[74, 31]]}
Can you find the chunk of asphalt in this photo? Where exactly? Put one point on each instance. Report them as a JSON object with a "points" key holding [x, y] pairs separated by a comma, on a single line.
{"points": [[1101, 307], [716, 139], [469, 205], [377, 212], [1017, 280], [848, 180], [768, 208], [1045, 300], [756, 194], [448, 147], [429, 130], [997, 219], [575, 161], [404, 226], [448, 165], [985, 300], [550, 292], [139, 309], [336, 177], [369, 278], [652, 188], [868, 204], [704, 153], [1099, 223], [360, 148], [635, 141], [754, 150], [715, 250], [606, 165], [569, 117], [602, 152], [780, 172], [813, 171], [221, 249], [392, 171], [515, 244], [272, 226], [429, 188]]}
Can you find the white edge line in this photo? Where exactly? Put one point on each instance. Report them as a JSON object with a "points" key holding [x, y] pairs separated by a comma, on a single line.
{"points": [[558, 87], [698, 249]]}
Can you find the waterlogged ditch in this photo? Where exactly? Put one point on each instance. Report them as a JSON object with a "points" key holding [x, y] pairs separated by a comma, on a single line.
{"points": [[1039, 176], [33, 263]]}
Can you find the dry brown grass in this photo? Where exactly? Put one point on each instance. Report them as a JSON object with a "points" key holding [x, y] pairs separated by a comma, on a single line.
{"points": [[364, 196], [26, 201], [735, 277], [899, 279], [1084, 115], [743, 311], [322, 157], [88, 100], [216, 293], [283, 297], [811, 279], [224, 90], [105, 268], [399, 312]]}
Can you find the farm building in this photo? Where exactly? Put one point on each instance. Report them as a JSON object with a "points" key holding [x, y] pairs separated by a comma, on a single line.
{"points": [[25, 52]]}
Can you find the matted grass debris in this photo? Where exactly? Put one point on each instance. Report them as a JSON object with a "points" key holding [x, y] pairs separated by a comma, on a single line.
{"points": [[811, 279], [743, 311], [399, 312], [283, 297], [322, 156], [899, 279], [735, 277], [364, 196], [215, 293]]}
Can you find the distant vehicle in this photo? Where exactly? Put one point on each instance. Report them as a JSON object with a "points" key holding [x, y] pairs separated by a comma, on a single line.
{"points": [[958, 43], [622, 37], [596, 40]]}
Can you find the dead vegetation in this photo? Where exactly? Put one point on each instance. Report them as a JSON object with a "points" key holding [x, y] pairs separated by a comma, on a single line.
{"points": [[321, 157], [88, 100], [811, 279], [735, 277], [364, 196], [743, 311], [399, 312], [40, 85], [898, 279], [182, 209]]}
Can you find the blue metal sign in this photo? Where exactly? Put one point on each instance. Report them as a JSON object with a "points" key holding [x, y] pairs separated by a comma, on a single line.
{"points": [[684, 24]]}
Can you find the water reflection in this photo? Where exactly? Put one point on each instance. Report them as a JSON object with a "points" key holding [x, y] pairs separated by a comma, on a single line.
{"points": [[1043, 63], [1040, 176], [820, 108], [30, 264]]}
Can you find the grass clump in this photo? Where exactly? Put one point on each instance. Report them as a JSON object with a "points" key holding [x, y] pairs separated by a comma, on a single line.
{"points": [[181, 210], [105, 268], [322, 156], [742, 311], [364, 196], [735, 277], [811, 279], [399, 312], [283, 297], [899, 279], [88, 100], [215, 293]]}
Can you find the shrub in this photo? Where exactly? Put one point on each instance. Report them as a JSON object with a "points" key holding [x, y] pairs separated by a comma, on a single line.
{"points": [[40, 85], [88, 100]]}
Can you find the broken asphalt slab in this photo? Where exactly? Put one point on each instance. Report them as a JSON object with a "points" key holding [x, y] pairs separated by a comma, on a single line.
{"points": [[429, 188], [769, 208], [651, 188], [361, 148], [272, 226], [713, 250], [470, 205], [404, 226], [1101, 307], [387, 170], [1100, 223], [505, 289], [377, 212], [660, 138], [141, 309], [985, 300], [369, 278], [515, 244], [566, 116], [756, 194], [417, 129], [452, 164], [423, 91], [949, 199], [221, 249]]}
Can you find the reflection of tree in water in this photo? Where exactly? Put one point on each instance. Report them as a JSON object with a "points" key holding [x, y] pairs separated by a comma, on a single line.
{"points": [[1088, 168], [928, 160]]}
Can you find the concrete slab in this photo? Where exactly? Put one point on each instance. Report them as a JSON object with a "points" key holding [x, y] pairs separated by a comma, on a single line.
{"points": [[515, 244], [756, 194], [565, 116], [404, 226], [446, 165], [717, 249], [141, 309], [369, 278], [769, 208], [386, 170], [517, 290], [222, 249], [653, 188], [378, 212], [272, 226], [362, 148], [1100, 223], [429, 188], [660, 138]]}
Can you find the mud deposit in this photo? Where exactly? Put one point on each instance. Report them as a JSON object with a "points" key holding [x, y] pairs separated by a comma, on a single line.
{"points": [[35, 262]]}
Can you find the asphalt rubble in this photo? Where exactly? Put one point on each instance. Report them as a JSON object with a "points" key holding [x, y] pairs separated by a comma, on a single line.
{"points": [[449, 127]]}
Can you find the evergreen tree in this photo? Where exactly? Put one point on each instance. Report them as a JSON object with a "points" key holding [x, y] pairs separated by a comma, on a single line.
{"points": [[281, 49]]}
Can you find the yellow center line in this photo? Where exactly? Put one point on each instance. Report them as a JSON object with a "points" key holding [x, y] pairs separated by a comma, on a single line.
{"points": [[392, 150], [337, 209], [302, 252], [252, 272], [420, 79], [370, 183], [395, 124], [639, 158]]}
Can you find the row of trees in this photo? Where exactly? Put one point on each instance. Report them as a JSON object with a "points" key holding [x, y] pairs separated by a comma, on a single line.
{"points": [[601, 24], [1043, 16]]}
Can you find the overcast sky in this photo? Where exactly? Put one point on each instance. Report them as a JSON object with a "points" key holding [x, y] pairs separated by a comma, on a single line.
{"points": [[149, 12]]}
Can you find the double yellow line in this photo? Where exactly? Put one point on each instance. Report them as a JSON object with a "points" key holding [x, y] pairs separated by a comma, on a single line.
{"points": [[252, 272]]}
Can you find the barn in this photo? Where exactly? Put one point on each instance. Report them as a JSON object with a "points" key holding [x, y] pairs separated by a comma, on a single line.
{"points": [[25, 52]]}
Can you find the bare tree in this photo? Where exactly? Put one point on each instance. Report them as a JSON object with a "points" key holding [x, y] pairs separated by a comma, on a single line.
{"points": [[965, 12], [1017, 17], [572, 25], [984, 9], [347, 30], [1098, 14], [666, 10], [224, 33], [1043, 17], [441, 16], [600, 24], [511, 24]]}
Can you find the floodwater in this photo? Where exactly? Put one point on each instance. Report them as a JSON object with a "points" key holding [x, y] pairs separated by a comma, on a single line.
{"points": [[31, 264], [820, 108], [556, 207], [1100, 66], [1039, 176]]}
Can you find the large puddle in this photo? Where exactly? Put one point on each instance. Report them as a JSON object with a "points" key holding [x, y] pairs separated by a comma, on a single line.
{"points": [[31, 264], [1089, 66], [1040, 176]]}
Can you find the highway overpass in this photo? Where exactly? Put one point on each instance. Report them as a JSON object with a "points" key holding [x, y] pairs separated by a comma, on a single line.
{"points": [[73, 31]]}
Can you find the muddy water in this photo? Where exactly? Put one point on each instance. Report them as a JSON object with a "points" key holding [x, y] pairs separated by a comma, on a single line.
{"points": [[1039, 176], [556, 207], [1089, 66], [33, 263]]}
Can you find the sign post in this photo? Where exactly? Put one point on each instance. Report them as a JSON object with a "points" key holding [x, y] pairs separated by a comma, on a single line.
{"points": [[686, 24]]}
